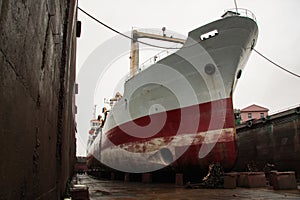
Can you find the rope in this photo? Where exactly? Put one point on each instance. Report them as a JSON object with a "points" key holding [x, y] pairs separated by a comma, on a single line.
{"points": [[156, 46], [122, 34], [280, 67]]}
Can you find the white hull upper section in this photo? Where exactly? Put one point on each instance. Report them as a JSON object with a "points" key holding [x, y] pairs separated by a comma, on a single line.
{"points": [[201, 71]]}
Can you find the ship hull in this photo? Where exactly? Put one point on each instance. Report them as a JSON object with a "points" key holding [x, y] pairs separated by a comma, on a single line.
{"points": [[179, 112]]}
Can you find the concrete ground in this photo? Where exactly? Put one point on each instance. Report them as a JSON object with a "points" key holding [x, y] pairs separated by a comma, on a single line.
{"points": [[116, 190]]}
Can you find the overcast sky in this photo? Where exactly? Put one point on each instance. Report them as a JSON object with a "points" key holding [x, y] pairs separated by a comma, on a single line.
{"points": [[261, 82]]}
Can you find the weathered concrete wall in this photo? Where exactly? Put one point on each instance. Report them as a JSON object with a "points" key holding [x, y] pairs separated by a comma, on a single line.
{"points": [[37, 75], [274, 141]]}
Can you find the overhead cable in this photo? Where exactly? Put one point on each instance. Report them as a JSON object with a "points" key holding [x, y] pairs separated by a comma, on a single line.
{"points": [[282, 68], [156, 46], [118, 32]]}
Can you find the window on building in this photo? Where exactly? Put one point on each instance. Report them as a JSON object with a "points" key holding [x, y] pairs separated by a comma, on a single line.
{"points": [[96, 124], [262, 115], [249, 115]]}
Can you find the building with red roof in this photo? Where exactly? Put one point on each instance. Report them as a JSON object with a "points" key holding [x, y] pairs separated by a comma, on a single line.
{"points": [[253, 112]]}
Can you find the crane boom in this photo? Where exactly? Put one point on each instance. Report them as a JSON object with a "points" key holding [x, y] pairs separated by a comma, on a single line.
{"points": [[134, 64]]}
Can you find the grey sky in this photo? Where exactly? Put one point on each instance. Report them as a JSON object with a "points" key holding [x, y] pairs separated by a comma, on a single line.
{"points": [[261, 82]]}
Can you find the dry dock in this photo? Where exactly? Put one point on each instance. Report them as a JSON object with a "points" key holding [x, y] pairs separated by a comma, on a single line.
{"points": [[37, 75], [106, 189], [274, 140]]}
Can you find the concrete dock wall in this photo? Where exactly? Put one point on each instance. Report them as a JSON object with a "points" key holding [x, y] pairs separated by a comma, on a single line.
{"points": [[273, 141], [37, 75]]}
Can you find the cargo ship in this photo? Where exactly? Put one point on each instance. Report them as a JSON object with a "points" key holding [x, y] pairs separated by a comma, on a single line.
{"points": [[178, 112]]}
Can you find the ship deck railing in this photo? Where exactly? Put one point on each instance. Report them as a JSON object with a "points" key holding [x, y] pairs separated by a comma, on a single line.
{"points": [[158, 57], [242, 12], [154, 59]]}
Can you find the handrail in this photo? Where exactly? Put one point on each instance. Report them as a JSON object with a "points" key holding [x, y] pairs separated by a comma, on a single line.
{"points": [[155, 58], [152, 60], [242, 12]]}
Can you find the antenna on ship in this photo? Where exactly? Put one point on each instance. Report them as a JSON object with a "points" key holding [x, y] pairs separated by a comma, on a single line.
{"points": [[94, 111], [164, 29], [236, 8]]}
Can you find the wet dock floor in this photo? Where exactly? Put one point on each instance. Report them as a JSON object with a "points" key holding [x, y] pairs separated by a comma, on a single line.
{"points": [[120, 190]]}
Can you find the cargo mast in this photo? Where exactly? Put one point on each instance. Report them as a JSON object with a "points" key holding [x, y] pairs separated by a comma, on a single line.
{"points": [[134, 63]]}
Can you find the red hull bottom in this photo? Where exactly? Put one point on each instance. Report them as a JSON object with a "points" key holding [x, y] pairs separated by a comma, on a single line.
{"points": [[223, 152], [205, 134]]}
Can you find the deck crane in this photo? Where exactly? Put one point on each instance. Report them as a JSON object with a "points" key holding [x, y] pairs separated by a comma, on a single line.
{"points": [[134, 63]]}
